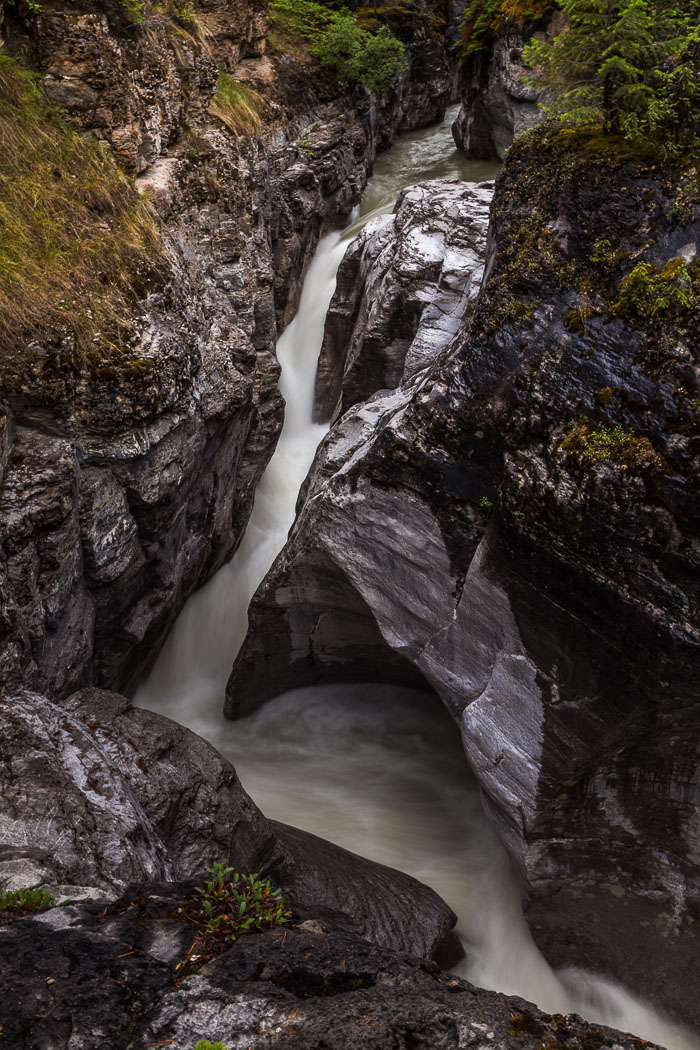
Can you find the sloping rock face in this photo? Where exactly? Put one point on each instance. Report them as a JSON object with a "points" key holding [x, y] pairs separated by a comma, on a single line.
{"points": [[539, 568], [97, 794], [413, 274], [402, 293], [104, 974], [127, 482], [497, 104]]}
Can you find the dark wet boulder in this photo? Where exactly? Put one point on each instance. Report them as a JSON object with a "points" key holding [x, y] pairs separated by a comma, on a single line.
{"points": [[103, 973], [98, 794]]}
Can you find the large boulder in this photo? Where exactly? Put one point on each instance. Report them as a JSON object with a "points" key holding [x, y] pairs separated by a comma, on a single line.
{"points": [[98, 794], [517, 526]]}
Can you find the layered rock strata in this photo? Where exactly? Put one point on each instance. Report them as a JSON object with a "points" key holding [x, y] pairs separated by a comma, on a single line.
{"points": [[535, 564], [126, 482], [403, 291]]}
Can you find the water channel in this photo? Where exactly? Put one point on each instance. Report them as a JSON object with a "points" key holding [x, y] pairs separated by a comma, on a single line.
{"points": [[376, 769]]}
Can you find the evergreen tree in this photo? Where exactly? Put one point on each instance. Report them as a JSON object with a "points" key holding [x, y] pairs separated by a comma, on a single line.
{"points": [[630, 65]]}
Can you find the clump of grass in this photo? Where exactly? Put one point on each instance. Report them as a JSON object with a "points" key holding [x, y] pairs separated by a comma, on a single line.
{"points": [[237, 105], [78, 245]]}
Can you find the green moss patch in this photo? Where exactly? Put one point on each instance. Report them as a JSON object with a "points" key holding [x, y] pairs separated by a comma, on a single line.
{"points": [[614, 446]]}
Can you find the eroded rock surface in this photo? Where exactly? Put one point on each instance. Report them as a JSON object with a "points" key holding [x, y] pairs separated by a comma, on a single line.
{"points": [[127, 481], [547, 593], [103, 974], [97, 794], [497, 102], [403, 291]]}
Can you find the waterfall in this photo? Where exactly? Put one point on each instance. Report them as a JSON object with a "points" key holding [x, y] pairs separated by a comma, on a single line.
{"points": [[376, 769]]}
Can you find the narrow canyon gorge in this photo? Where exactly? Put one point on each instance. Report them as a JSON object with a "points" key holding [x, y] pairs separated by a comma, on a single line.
{"points": [[348, 533]]}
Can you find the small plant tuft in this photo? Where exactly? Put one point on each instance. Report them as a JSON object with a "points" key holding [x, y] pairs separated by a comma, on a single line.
{"points": [[26, 902], [650, 296], [239, 904], [614, 446], [204, 1044], [307, 145], [227, 905]]}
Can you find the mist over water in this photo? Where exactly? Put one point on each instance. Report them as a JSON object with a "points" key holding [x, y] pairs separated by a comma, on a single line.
{"points": [[378, 769]]}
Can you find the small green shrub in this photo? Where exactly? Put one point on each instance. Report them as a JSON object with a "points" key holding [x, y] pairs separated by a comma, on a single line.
{"points": [[614, 446], [204, 1044], [359, 57], [486, 503], [307, 145], [227, 905], [337, 42], [241, 904], [26, 902]]}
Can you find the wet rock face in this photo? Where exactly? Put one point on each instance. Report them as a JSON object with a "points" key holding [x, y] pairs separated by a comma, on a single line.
{"points": [[98, 794], [497, 104], [414, 273], [125, 484], [548, 594], [112, 982], [428, 91], [403, 291]]}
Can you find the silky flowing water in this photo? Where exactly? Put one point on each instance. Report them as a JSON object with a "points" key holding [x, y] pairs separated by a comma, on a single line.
{"points": [[375, 768]]}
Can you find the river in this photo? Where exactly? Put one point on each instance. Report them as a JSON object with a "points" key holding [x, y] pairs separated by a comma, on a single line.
{"points": [[376, 769]]}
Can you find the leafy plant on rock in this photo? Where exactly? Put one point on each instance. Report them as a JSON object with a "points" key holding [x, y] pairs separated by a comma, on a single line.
{"points": [[650, 296], [26, 902], [229, 904]]}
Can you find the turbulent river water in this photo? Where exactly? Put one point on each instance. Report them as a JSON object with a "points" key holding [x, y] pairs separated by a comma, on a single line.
{"points": [[375, 768]]}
